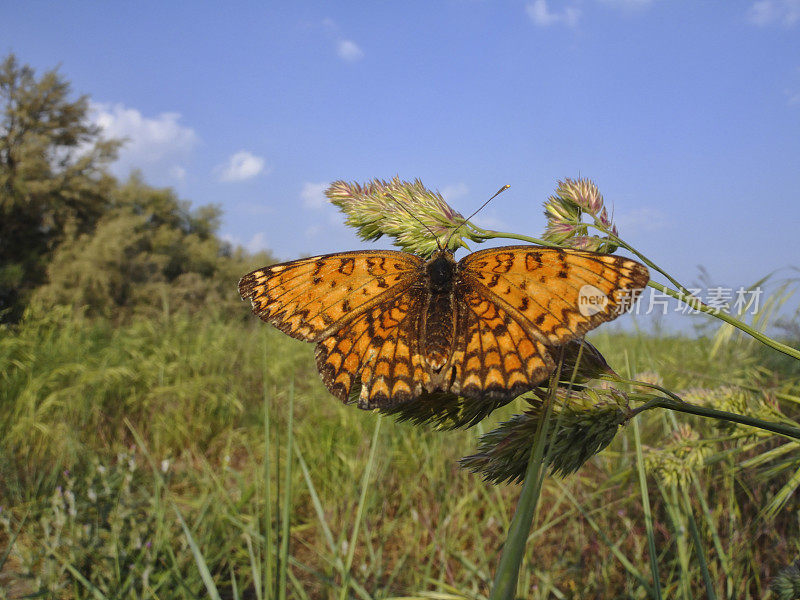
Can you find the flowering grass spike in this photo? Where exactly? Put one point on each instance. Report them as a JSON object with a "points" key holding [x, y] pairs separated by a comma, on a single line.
{"points": [[583, 423], [564, 212], [786, 586], [418, 219]]}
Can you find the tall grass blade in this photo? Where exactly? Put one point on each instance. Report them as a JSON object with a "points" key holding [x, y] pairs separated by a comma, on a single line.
{"points": [[234, 585], [505, 580], [12, 540], [677, 517], [199, 559], [360, 510], [268, 588], [711, 594], [624, 560], [312, 491], [326, 531], [648, 515], [722, 556], [782, 496], [255, 567], [298, 587], [96, 593], [287, 499]]}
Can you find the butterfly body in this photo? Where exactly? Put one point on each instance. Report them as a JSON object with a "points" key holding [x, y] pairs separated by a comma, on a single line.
{"points": [[391, 326], [440, 321]]}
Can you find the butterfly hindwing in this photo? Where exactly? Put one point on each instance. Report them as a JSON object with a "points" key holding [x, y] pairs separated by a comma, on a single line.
{"points": [[310, 298], [376, 354], [543, 288], [495, 357]]}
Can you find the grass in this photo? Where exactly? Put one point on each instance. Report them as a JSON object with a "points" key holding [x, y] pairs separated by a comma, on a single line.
{"points": [[179, 458]]}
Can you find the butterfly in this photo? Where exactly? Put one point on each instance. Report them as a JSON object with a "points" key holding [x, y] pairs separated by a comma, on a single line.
{"points": [[391, 327]]}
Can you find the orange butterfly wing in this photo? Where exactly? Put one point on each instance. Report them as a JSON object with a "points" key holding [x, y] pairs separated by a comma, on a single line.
{"points": [[312, 298], [374, 359], [362, 308], [495, 357], [519, 303], [512, 305], [548, 290]]}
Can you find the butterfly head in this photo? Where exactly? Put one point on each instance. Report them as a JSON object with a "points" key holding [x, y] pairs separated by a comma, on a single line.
{"points": [[441, 270]]}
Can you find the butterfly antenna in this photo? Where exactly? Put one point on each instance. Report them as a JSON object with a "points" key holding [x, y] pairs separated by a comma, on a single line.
{"points": [[480, 208], [417, 219]]}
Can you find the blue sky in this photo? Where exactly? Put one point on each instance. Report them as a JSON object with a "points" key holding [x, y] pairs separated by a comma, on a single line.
{"points": [[686, 114]]}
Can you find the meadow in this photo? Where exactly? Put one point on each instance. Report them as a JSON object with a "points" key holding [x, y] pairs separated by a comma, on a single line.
{"points": [[158, 441], [172, 455]]}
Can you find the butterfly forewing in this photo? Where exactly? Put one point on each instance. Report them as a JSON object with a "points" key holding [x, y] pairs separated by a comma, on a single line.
{"points": [[311, 298], [544, 288]]}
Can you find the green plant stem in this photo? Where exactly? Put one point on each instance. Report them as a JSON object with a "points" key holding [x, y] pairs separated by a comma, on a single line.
{"points": [[698, 545], [489, 234], [266, 584], [287, 499], [360, 511], [505, 579], [623, 244], [648, 515], [713, 413], [682, 293], [697, 304], [676, 403]]}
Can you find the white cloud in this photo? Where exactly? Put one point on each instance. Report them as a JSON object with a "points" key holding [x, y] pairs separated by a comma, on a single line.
{"points": [[348, 50], [313, 195], [541, 15], [257, 243], [240, 166], [454, 191], [771, 12], [156, 145]]}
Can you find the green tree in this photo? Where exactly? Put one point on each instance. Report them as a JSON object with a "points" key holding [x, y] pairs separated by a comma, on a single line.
{"points": [[150, 254], [53, 179]]}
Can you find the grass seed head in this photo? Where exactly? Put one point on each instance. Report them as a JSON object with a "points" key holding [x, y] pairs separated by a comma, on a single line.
{"points": [[590, 362], [679, 460], [413, 215], [650, 377], [444, 411], [786, 586], [587, 422], [564, 212]]}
